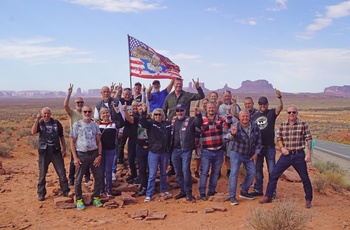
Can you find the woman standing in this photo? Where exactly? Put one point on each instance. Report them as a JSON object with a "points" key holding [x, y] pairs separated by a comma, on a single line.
{"points": [[108, 133], [159, 135]]}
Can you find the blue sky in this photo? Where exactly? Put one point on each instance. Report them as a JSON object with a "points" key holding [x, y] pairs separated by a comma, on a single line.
{"points": [[298, 46]]}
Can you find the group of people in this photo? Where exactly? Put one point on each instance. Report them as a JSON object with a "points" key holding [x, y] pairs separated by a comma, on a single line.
{"points": [[160, 132]]}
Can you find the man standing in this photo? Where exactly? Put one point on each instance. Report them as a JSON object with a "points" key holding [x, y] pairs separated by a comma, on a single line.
{"points": [[138, 95], [291, 138], [228, 106], [245, 149], [178, 96], [266, 119], [87, 152], [157, 97], [74, 116], [49, 148], [183, 142], [212, 153]]}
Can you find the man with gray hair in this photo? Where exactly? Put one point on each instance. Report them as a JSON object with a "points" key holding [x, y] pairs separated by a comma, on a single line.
{"points": [[50, 140]]}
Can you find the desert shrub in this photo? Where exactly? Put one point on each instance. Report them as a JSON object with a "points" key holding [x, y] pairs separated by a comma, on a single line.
{"points": [[327, 166], [8, 132], [32, 141], [5, 138], [6, 150], [319, 184], [24, 132], [335, 180], [283, 215], [2, 129]]}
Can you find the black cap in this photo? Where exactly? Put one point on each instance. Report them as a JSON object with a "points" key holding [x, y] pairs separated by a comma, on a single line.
{"points": [[155, 82], [180, 106], [138, 83], [263, 100]]}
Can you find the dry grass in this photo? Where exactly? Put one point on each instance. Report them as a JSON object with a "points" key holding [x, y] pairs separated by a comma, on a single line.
{"points": [[283, 215]]}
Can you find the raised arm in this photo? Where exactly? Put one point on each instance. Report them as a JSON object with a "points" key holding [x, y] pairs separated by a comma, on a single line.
{"points": [[280, 103], [66, 101], [170, 86]]}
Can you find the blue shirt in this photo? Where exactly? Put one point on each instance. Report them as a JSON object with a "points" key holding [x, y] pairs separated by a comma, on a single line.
{"points": [[157, 99]]}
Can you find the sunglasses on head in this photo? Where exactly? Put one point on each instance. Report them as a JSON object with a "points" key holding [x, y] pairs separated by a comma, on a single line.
{"points": [[294, 112], [87, 111], [180, 110], [157, 114]]}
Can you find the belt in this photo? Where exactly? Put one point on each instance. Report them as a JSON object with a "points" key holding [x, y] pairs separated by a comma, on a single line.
{"points": [[89, 152], [296, 151]]}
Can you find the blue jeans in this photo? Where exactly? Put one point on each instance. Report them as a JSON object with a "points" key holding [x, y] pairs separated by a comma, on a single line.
{"points": [[268, 153], [106, 169], [285, 161], [213, 158], [141, 158], [182, 165], [46, 156], [155, 159], [87, 160], [236, 159]]}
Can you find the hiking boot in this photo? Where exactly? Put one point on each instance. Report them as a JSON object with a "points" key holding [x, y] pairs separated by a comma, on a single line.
{"points": [[41, 197], [233, 200], [204, 197], [265, 200], [211, 193], [109, 193], [308, 204], [196, 174], [97, 202], [80, 204], [180, 195], [142, 192], [189, 197], [130, 179], [246, 195]]}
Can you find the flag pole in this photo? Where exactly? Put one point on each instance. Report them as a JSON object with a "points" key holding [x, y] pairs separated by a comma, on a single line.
{"points": [[129, 60]]}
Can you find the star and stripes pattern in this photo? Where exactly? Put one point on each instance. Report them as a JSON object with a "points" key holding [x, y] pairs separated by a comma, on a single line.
{"points": [[147, 63]]}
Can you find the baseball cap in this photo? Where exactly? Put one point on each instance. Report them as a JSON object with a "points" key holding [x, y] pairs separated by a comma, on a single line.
{"points": [[155, 82], [263, 100], [180, 106], [138, 83]]}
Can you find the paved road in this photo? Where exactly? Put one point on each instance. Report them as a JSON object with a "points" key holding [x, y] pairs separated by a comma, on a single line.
{"points": [[336, 149]]}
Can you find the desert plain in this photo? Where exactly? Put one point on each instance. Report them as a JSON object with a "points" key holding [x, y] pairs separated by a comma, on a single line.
{"points": [[328, 118]]}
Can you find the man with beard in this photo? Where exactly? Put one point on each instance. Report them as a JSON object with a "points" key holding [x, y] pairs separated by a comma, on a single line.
{"points": [[74, 116], [183, 142], [87, 152], [157, 97]]}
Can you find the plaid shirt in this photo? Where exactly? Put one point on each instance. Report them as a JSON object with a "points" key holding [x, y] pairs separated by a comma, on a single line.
{"points": [[244, 144], [212, 132], [294, 135]]}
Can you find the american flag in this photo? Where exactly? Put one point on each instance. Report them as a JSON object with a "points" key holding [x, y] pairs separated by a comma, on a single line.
{"points": [[147, 63]]}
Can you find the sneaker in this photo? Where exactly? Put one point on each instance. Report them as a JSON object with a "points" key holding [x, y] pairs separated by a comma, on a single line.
{"points": [[180, 195], [256, 193], [97, 202], [80, 204], [137, 182], [142, 192], [130, 179], [204, 197], [228, 172], [211, 193], [308, 204], [196, 174], [114, 176], [265, 200], [246, 195], [109, 193], [41, 197], [147, 199], [167, 193], [233, 200]]}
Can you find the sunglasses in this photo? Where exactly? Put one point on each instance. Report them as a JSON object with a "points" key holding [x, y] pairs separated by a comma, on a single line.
{"points": [[262, 104], [80, 102], [88, 111], [180, 110], [294, 112], [157, 114]]}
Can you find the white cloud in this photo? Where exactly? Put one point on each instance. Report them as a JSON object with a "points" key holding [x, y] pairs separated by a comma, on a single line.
{"points": [[282, 5], [251, 21], [33, 51], [324, 20], [119, 5], [211, 9]]}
